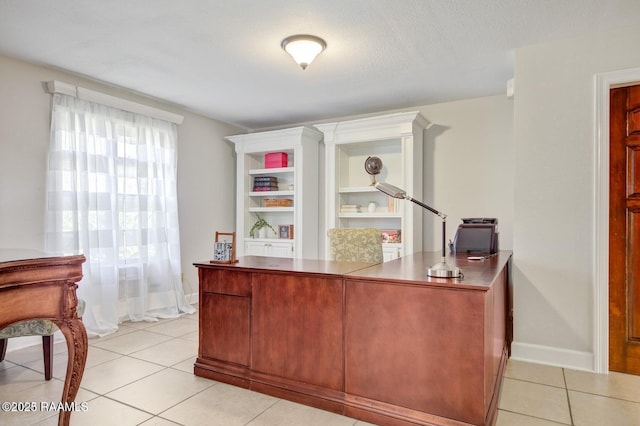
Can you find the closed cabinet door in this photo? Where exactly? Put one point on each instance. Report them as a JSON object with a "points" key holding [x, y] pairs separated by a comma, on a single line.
{"points": [[226, 335], [390, 253], [272, 249]]}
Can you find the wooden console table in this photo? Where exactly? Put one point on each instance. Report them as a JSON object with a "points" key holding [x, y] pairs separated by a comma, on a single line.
{"points": [[382, 343], [34, 285]]}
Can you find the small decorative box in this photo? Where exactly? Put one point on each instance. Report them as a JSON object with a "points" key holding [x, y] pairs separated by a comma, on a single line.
{"points": [[276, 159]]}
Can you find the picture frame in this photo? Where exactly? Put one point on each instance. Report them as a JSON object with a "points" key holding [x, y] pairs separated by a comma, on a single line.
{"points": [[283, 231], [224, 248]]}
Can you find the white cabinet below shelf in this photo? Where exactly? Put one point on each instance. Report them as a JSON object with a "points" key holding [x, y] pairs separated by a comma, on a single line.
{"points": [[268, 247], [391, 252]]}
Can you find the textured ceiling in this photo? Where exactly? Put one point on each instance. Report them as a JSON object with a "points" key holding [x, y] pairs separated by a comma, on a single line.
{"points": [[222, 58]]}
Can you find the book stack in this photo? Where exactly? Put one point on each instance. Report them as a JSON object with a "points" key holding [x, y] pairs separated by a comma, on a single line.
{"points": [[265, 183], [349, 208]]}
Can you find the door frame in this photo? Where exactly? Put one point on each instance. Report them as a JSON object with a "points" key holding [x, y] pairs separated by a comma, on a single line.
{"points": [[604, 82]]}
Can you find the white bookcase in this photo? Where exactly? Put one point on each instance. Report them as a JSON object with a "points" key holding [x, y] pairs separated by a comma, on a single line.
{"points": [[397, 139], [298, 182]]}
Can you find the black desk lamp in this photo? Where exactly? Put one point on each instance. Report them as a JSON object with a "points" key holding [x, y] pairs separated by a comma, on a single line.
{"points": [[440, 269]]}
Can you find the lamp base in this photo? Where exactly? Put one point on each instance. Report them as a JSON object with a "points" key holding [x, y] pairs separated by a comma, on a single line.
{"points": [[443, 270]]}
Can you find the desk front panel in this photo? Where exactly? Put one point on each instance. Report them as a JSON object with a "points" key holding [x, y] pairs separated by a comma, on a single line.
{"points": [[415, 347]]}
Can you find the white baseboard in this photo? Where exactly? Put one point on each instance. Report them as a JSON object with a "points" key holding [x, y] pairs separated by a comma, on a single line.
{"points": [[16, 343], [548, 355]]}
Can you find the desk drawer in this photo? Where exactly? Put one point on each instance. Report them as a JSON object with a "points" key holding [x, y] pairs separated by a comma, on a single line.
{"points": [[222, 281]]}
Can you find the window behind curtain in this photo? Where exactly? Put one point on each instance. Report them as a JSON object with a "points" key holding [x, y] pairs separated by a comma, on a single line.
{"points": [[112, 196]]}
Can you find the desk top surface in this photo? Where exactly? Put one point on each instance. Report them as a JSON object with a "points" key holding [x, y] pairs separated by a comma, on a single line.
{"points": [[412, 269], [311, 266]]}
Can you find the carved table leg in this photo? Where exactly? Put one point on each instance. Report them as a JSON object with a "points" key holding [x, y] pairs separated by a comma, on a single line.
{"points": [[77, 344]]}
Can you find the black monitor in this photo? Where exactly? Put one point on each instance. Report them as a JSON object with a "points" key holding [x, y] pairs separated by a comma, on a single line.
{"points": [[475, 238]]}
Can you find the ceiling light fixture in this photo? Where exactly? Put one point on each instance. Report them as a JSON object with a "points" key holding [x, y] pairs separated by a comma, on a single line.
{"points": [[303, 48]]}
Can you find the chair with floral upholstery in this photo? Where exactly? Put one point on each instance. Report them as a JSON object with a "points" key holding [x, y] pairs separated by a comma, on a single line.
{"points": [[355, 244], [37, 327]]}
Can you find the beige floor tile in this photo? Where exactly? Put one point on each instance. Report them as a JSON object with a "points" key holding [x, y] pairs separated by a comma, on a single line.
{"points": [[161, 391], [97, 356], [158, 421], [507, 418], [286, 413], [186, 365], [105, 412], [616, 385], [7, 364], [594, 410], [113, 374], [536, 400], [132, 342], [192, 336], [220, 405], [15, 379], [45, 395], [170, 352], [176, 328], [122, 330], [58, 369], [537, 373]]}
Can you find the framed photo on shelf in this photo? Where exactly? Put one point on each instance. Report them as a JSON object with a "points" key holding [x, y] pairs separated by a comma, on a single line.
{"points": [[285, 231], [391, 236]]}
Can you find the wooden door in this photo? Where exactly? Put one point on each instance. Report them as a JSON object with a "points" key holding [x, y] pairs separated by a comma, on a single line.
{"points": [[624, 230]]}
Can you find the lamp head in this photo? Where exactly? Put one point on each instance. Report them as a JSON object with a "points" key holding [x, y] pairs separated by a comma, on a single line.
{"points": [[391, 191]]}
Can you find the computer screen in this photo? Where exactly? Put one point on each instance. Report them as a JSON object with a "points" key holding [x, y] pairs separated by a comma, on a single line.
{"points": [[476, 238]]}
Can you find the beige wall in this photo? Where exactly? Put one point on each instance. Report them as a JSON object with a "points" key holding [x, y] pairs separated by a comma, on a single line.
{"points": [[206, 201], [554, 192], [468, 165]]}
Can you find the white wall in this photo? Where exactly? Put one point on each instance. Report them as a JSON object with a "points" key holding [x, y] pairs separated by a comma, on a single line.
{"points": [[206, 189], [468, 165], [554, 185]]}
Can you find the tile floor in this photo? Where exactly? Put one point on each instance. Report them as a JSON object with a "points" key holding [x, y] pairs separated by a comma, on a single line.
{"points": [[143, 375]]}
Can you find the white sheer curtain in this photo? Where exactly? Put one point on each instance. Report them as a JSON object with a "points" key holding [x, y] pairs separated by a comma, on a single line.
{"points": [[111, 185]]}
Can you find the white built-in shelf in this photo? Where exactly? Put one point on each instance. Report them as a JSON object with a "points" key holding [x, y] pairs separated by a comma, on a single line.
{"points": [[366, 215], [270, 193], [270, 209], [271, 171], [357, 189], [397, 139], [301, 144]]}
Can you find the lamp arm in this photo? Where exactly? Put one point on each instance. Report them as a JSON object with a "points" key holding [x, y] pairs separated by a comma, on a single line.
{"points": [[444, 223], [431, 209]]}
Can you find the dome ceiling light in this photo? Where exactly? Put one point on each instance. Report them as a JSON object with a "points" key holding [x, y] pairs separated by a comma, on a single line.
{"points": [[303, 48]]}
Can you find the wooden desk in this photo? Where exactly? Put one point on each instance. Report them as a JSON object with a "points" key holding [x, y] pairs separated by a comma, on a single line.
{"points": [[382, 343], [34, 286]]}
